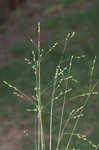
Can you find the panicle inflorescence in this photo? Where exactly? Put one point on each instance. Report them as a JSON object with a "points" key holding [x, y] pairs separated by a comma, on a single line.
{"points": [[76, 113], [84, 138], [70, 36], [28, 61], [62, 75]]}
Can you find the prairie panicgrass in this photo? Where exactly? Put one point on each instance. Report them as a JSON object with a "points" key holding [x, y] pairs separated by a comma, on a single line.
{"points": [[60, 89]]}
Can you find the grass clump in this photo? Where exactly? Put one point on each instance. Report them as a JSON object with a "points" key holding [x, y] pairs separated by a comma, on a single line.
{"points": [[55, 121]]}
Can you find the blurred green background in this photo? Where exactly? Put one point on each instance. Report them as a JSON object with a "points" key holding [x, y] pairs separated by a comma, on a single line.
{"points": [[58, 19]]}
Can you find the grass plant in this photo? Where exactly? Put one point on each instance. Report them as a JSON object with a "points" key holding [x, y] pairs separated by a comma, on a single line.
{"points": [[55, 104]]}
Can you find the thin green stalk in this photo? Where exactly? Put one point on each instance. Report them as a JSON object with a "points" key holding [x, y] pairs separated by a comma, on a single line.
{"points": [[35, 133], [61, 131], [91, 73], [86, 101], [40, 124], [57, 147], [73, 130], [51, 113], [38, 89], [52, 99]]}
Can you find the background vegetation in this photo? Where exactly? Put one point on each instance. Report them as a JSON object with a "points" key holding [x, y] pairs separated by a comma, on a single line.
{"points": [[85, 23]]}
